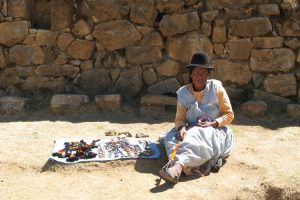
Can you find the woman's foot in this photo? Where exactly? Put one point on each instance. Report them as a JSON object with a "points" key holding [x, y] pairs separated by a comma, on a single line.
{"points": [[192, 171], [171, 174]]}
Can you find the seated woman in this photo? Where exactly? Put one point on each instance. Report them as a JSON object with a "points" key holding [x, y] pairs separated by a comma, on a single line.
{"points": [[203, 111]]}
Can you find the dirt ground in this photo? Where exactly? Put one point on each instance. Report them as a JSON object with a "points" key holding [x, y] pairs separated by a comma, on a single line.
{"points": [[264, 163]]}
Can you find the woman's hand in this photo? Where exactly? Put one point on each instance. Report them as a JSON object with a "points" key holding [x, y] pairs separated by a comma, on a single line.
{"points": [[207, 124], [181, 133]]}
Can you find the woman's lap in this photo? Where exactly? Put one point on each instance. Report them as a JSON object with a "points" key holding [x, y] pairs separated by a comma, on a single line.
{"points": [[199, 145]]}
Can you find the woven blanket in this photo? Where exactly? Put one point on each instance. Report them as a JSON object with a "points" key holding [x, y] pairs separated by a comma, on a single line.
{"points": [[76, 150]]}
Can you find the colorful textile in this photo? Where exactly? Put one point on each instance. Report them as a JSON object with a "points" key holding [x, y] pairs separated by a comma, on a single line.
{"points": [[74, 151]]}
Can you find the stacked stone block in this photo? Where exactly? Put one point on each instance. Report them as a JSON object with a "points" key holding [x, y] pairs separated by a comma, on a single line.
{"points": [[142, 46]]}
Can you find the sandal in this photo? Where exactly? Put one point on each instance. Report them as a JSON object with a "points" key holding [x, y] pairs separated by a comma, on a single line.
{"points": [[169, 175]]}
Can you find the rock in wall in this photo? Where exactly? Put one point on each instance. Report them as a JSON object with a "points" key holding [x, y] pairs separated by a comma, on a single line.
{"points": [[136, 46]]}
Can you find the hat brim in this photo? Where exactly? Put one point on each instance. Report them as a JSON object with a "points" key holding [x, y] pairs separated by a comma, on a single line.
{"points": [[199, 65]]}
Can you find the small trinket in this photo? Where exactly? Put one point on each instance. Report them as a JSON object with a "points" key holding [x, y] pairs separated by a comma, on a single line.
{"points": [[141, 135], [74, 151]]}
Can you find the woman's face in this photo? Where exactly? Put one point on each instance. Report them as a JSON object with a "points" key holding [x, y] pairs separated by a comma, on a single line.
{"points": [[199, 77]]}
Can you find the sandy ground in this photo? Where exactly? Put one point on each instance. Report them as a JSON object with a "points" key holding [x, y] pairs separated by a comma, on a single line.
{"points": [[264, 163]]}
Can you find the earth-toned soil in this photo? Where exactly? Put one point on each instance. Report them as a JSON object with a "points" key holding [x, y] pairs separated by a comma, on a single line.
{"points": [[264, 163]]}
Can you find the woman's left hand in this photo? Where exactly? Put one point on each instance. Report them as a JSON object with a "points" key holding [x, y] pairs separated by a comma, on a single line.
{"points": [[207, 124]]}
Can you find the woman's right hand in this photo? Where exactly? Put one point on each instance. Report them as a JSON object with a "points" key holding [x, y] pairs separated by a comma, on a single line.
{"points": [[181, 133]]}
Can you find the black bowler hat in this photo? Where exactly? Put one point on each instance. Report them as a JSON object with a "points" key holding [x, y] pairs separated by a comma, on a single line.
{"points": [[200, 59]]}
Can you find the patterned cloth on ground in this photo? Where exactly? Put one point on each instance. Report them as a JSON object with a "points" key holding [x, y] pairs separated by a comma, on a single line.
{"points": [[74, 151]]}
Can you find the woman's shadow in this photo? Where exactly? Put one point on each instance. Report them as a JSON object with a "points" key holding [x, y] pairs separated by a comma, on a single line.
{"points": [[153, 166]]}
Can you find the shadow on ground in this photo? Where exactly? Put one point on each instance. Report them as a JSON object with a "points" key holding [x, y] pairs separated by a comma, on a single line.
{"points": [[88, 114], [271, 121], [131, 114]]}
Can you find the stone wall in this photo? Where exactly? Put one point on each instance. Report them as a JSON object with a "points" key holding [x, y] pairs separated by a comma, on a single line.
{"points": [[138, 47]]}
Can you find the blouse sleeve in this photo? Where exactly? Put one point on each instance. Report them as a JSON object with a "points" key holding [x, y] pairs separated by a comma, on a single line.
{"points": [[226, 112], [180, 119]]}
